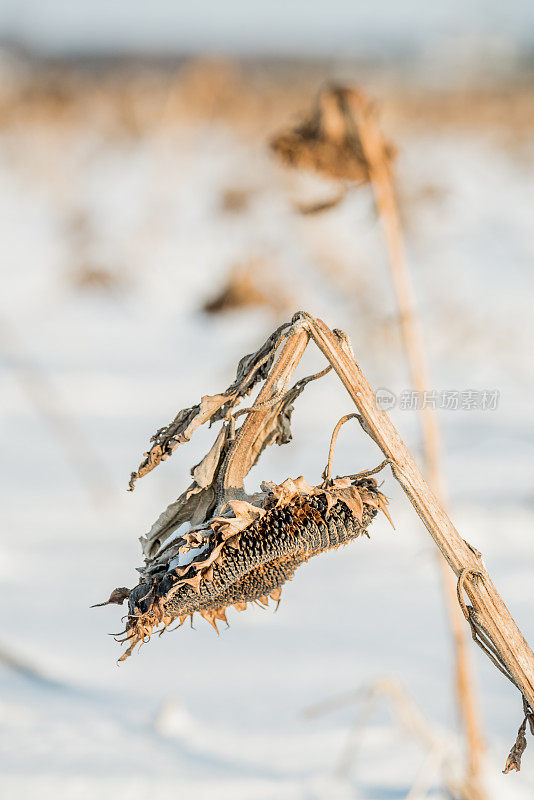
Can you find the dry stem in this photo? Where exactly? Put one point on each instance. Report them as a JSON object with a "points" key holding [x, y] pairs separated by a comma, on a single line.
{"points": [[441, 752], [251, 438], [381, 178], [492, 625]]}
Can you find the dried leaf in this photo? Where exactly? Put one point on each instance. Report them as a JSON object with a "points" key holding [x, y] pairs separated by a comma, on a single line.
{"points": [[251, 369], [194, 505], [117, 596], [204, 473], [513, 762], [276, 427], [179, 431]]}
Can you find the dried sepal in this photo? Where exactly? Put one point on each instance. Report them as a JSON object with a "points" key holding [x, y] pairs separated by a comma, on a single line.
{"points": [[244, 514], [286, 491], [349, 494]]}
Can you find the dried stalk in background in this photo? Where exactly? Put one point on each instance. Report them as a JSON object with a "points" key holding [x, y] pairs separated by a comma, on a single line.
{"points": [[374, 150], [78, 449], [442, 756], [347, 120]]}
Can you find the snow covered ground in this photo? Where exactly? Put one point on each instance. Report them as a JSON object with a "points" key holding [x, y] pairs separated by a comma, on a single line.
{"points": [[220, 717]]}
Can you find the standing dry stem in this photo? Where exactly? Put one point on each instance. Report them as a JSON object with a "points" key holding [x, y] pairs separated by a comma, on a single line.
{"points": [[442, 756], [40, 390], [343, 126], [375, 152]]}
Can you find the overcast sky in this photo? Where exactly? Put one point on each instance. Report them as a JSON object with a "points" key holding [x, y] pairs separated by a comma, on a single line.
{"points": [[264, 27]]}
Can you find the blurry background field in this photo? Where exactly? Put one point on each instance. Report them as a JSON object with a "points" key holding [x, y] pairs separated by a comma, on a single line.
{"points": [[148, 239]]}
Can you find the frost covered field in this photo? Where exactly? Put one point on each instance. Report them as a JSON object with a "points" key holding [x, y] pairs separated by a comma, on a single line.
{"points": [[147, 213]]}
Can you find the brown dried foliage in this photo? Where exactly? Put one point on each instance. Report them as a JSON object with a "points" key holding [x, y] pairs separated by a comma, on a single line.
{"points": [[328, 141], [248, 286], [513, 762], [251, 369]]}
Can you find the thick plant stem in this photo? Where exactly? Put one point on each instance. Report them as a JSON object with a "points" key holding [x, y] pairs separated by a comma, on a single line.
{"points": [[249, 441], [381, 179], [491, 623]]}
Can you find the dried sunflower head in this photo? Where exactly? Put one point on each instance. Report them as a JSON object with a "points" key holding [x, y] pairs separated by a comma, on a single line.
{"points": [[216, 546], [248, 551]]}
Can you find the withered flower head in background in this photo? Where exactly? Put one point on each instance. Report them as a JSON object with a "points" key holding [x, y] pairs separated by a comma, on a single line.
{"points": [[328, 140]]}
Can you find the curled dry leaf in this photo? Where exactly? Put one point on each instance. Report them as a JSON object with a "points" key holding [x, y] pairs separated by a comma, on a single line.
{"points": [[513, 762], [194, 506], [179, 431], [198, 501], [251, 369], [117, 596]]}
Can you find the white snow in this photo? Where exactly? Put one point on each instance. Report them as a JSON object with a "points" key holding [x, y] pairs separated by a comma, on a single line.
{"points": [[182, 559], [193, 714]]}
